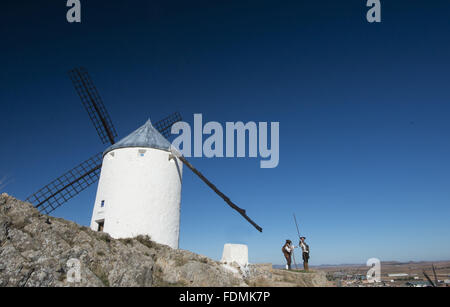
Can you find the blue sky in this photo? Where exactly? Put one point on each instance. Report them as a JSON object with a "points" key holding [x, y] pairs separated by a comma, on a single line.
{"points": [[363, 111]]}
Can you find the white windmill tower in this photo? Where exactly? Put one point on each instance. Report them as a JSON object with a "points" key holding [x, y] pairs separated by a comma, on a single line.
{"points": [[140, 180], [139, 190]]}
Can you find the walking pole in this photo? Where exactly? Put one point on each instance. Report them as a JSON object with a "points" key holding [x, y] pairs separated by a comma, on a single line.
{"points": [[293, 255], [296, 225], [298, 233]]}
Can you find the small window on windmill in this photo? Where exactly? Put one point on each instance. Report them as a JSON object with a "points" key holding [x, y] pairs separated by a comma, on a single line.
{"points": [[110, 156], [102, 204], [141, 152]]}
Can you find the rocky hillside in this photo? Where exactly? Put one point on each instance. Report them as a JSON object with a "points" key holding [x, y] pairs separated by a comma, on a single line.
{"points": [[35, 250]]}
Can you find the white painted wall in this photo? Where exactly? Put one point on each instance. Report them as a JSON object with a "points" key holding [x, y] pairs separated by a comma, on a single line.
{"points": [[142, 195], [235, 253]]}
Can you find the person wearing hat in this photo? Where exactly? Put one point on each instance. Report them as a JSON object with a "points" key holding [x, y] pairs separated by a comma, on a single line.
{"points": [[305, 252], [287, 250]]}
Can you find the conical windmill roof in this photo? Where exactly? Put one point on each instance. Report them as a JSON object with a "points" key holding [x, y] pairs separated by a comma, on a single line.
{"points": [[145, 136]]}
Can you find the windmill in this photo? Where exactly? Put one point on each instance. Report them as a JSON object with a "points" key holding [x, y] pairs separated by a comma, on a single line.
{"points": [[434, 283], [76, 180]]}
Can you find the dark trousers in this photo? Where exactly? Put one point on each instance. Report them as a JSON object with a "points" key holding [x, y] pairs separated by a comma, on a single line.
{"points": [[288, 259], [305, 261]]}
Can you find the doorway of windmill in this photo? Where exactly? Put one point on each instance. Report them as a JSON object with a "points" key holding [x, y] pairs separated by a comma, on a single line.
{"points": [[101, 225]]}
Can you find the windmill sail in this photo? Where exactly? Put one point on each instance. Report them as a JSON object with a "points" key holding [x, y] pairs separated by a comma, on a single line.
{"points": [[93, 104], [429, 279], [63, 188], [164, 125], [218, 192], [435, 275]]}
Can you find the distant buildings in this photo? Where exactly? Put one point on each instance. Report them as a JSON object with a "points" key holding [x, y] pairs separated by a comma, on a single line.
{"points": [[398, 275], [418, 284]]}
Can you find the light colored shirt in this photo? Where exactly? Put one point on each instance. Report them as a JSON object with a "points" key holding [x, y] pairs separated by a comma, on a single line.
{"points": [[289, 248], [304, 248]]}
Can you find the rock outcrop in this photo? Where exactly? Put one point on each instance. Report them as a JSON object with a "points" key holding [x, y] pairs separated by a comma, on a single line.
{"points": [[35, 250]]}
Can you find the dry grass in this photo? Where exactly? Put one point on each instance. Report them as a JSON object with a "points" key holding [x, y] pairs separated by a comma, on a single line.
{"points": [[127, 241], [302, 271], [145, 240]]}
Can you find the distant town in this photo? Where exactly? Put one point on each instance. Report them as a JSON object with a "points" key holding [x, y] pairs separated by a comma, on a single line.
{"points": [[393, 274]]}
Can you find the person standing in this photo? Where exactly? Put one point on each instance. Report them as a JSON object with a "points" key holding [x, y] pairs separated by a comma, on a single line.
{"points": [[287, 250], [305, 252]]}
